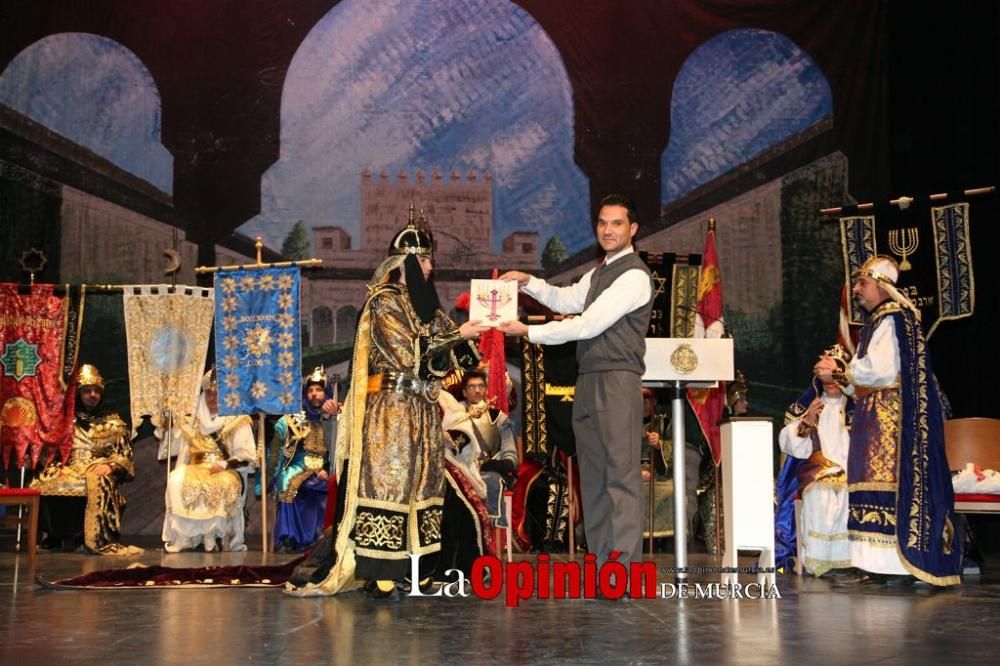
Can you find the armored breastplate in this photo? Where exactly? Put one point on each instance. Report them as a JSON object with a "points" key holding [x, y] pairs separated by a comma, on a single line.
{"points": [[310, 435], [488, 434], [95, 438]]}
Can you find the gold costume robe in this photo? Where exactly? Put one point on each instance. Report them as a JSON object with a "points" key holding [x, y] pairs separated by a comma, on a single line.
{"points": [[97, 440], [204, 494], [390, 451]]}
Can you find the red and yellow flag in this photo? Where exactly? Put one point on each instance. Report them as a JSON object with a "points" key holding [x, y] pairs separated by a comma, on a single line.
{"points": [[708, 404]]}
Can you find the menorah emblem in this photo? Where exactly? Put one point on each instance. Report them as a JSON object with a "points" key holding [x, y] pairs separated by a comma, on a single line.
{"points": [[904, 242], [493, 299]]}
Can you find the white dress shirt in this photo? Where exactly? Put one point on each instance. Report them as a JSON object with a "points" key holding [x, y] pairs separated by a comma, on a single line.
{"points": [[630, 291]]}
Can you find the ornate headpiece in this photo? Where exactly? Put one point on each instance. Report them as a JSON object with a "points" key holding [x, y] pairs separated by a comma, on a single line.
{"points": [[209, 381], [318, 376], [736, 389], [415, 237], [840, 356], [88, 375], [885, 271], [881, 268]]}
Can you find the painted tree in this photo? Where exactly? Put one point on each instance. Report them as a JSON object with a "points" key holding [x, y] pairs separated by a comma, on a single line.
{"points": [[296, 243], [554, 253]]}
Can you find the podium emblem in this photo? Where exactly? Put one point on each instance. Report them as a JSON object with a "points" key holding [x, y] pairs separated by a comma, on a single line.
{"points": [[683, 359]]}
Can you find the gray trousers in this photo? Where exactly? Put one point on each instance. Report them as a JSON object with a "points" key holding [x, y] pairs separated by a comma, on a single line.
{"points": [[607, 424]]}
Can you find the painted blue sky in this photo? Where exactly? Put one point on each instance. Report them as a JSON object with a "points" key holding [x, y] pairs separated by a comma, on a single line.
{"points": [[430, 84], [95, 92], [736, 96]]}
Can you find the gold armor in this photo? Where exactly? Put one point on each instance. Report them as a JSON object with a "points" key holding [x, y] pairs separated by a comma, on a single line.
{"points": [[99, 440]]}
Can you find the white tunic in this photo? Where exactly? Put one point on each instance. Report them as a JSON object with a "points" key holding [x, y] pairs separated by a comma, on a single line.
{"points": [[184, 527], [822, 533]]}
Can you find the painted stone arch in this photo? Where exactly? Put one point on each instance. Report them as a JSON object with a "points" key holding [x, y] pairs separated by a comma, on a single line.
{"points": [[400, 85], [347, 318], [322, 326], [737, 95], [96, 93]]}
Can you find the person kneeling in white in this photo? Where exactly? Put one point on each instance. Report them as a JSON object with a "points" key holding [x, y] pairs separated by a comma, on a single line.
{"points": [[207, 490], [821, 439]]}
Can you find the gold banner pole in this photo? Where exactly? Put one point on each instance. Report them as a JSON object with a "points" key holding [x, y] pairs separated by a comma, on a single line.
{"points": [[262, 455]]}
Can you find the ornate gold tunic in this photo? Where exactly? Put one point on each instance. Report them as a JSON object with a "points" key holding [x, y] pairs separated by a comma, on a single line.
{"points": [[302, 445], [97, 440], [401, 486], [390, 452], [204, 494]]}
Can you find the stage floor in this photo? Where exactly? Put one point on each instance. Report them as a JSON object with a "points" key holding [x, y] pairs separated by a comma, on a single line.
{"points": [[811, 623]]}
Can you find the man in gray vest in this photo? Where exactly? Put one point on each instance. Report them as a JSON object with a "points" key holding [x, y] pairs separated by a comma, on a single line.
{"points": [[612, 303]]}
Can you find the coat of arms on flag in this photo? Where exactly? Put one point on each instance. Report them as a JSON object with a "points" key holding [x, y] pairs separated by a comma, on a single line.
{"points": [[258, 347]]}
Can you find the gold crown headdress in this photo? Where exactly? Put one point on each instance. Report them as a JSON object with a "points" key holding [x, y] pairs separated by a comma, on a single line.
{"points": [[318, 376], [415, 237], [840, 356], [881, 268], [885, 271], [88, 375]]}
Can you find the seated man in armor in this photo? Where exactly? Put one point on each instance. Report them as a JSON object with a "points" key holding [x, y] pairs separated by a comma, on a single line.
{"points": [[82, 496], [481, 460], [305, 442], [206, 492]]}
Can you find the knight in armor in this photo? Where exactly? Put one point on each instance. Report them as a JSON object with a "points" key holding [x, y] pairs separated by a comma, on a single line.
{"points": [[303, 444], [206, 492], [81, 499], [481, 462]]}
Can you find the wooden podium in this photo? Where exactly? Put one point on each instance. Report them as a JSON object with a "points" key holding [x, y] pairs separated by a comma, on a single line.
{"points": [[685, 363]]}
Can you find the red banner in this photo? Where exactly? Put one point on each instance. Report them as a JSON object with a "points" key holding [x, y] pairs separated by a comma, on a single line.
{"points": [[491, 348], [39, 332], [708, 404]]}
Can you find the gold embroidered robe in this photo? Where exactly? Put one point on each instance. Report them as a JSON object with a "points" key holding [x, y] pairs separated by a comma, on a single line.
{"points": [[97, 440]]}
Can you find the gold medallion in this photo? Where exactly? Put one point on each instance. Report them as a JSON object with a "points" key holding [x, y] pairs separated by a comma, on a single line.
{"points": [[683, 359]]}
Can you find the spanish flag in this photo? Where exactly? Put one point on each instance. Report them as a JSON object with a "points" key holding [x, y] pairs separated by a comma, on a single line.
{"points": [[708, 404]]}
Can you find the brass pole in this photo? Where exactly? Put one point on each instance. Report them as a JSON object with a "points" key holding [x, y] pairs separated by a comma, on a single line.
{"points": [[262, 455], [718, 514]]}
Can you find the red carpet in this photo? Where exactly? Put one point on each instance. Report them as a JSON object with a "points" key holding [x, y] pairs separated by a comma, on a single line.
{"points": [[159, 577]]}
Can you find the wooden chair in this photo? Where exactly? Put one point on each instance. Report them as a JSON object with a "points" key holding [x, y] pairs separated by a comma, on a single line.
{"points": [[973, 440], [29, 498]]}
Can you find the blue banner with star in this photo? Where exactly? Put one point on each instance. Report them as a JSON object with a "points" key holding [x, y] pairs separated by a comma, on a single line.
{"points": [[258, 346]]}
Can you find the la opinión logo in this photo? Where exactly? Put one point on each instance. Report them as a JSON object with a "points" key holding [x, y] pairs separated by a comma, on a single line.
{"points": [[544, 579]]}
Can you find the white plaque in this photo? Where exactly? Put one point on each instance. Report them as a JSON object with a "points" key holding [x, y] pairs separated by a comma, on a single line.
{"points": [[493, 301]]}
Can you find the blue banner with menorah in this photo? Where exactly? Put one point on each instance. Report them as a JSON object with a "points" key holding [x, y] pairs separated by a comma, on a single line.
{"points": [[258, 347], [933, 248]]}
